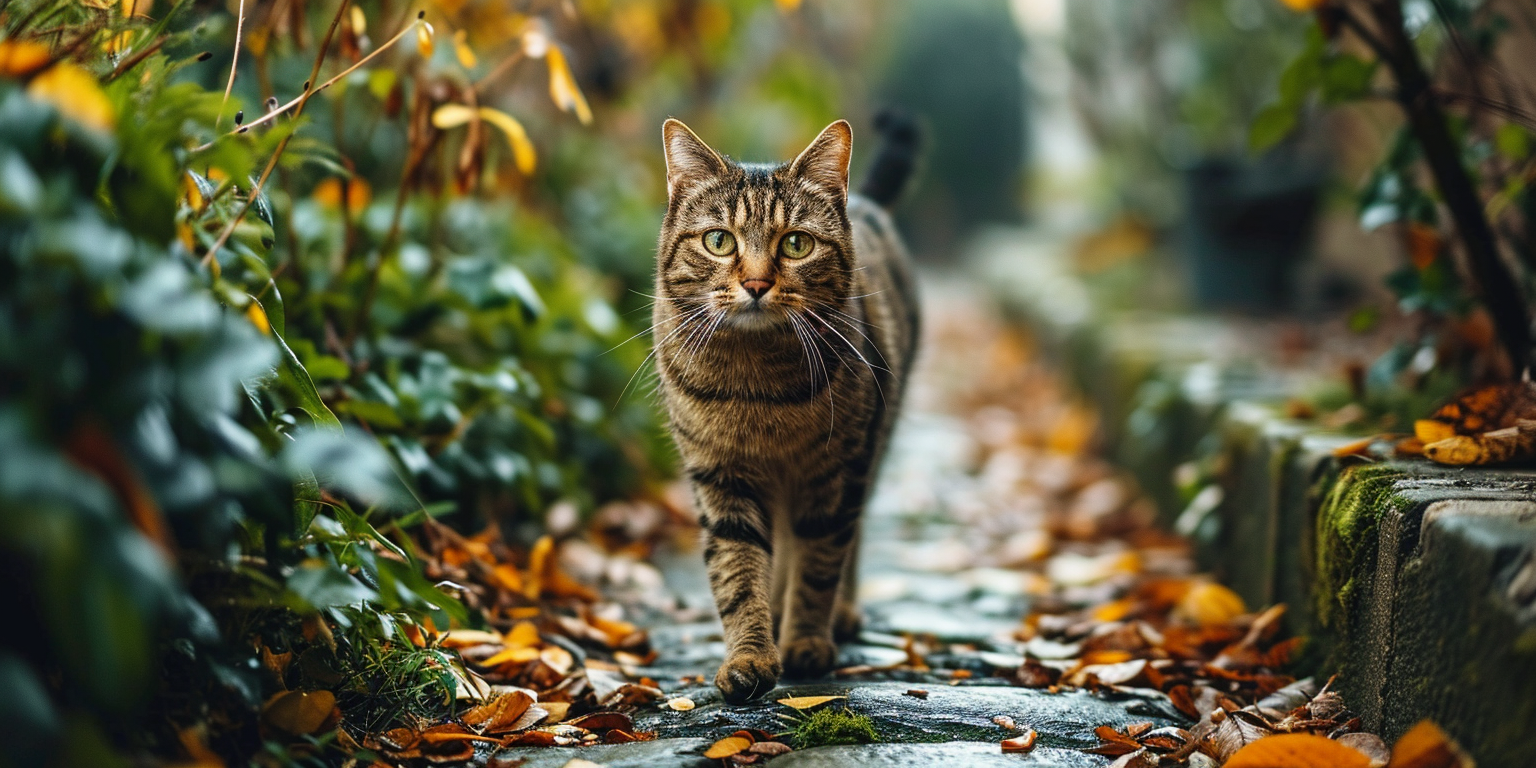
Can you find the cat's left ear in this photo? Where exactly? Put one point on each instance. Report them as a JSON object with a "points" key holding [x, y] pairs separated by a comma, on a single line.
{"points": [[825, 161]]}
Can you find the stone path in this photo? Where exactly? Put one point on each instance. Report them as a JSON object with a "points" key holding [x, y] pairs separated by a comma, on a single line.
{"points": [[940, 541]]}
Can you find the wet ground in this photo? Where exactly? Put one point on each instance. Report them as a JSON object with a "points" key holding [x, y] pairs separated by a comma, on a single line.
{"points": [[990, 504]]}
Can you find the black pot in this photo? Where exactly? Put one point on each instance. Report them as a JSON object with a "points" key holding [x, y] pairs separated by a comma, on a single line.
{"points": [[1248, 225]]}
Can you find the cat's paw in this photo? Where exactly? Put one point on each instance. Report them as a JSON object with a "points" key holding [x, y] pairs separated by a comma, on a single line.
{"points": [[747, 675], [846, 623], [809, 657]]}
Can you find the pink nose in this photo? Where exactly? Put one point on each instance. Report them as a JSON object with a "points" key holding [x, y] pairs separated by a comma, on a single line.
{"points": [[757, 287]]}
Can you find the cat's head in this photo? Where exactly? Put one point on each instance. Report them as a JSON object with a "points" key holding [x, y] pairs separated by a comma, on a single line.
{"points": [[759, 243]]}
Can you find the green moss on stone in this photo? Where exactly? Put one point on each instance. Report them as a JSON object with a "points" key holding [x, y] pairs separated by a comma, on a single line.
{"points": [[1346, 535], [829, 726]]}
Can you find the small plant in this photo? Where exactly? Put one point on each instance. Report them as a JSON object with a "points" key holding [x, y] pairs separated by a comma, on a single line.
{"points": [[826, 727]]}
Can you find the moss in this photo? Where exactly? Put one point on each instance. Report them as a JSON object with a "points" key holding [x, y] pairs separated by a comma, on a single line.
{"points": [[829, 726], [1346, 531]]}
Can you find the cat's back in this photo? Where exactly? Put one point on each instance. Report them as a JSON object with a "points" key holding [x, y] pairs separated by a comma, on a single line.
{"points": [[885, 285]]}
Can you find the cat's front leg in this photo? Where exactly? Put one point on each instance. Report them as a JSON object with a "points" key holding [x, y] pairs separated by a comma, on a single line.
{"points": [[825, 532], [738, 555]]}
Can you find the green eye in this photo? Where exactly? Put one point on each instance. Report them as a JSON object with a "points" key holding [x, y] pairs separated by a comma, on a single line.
{"points": [[720, 242], [797, 245]]}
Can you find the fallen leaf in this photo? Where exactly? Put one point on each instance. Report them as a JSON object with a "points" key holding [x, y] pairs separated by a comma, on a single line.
{"points": [[465, 638], [1208, 604], [1022, 743], [917, 693], [680, 704], [518, 655], [726, 747], [770, 748], [1368, 744], [1005, 721], [75, 92], [500, 714], [604, 721], [1426, 746], [1297, 750], [298, 712], [1138, 759], [807, 702]]}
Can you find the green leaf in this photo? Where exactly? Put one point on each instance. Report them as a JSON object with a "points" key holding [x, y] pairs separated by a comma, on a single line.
{"points": [[291, 372], [374, 413], [1272, 125], [319, 586], [1346, 78], [1513, 141]]}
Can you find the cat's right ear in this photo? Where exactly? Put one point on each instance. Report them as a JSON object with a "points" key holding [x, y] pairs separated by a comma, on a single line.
{"points": [[689, 160]]}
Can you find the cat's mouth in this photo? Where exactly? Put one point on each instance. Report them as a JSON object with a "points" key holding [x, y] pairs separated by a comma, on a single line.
{"points": [[755, 314]]}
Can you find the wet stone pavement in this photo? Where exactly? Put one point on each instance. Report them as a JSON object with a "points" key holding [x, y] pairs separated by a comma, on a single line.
{"points": [[942, 595]]}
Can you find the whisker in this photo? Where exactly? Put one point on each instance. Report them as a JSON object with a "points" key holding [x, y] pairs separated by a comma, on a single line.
{"points": [[638, 335], [873, 376], [686, 321]]}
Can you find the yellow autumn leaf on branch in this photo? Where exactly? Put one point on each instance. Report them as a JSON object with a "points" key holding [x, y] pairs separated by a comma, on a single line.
{"points": [[20, 58], [562, 86], [522, 149], [523, 155], [75, 92], [424, 39], [461, 49]]}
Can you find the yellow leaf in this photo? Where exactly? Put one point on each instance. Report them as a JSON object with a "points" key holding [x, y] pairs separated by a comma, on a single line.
{"points": [[680, 704], [451, 116], [1209, 604], [726, 747], [464, 638], [258, 318], [1297, 750], [562, 86], [1432, 431], [806, 702], [523, 635], [75, 92], [298, 712], [137, 7], [787, 6], [21, 58], [461, 50], [539, 562], [514, 655], [507, 577], [359, 20], [1302, 6], [523, 155], [424, 39]]}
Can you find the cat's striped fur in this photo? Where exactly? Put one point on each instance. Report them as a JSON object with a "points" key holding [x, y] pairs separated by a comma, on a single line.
{"points": [[781, 378]]}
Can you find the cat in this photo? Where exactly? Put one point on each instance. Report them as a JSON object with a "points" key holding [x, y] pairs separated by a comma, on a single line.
{"points": [[785, 325]]}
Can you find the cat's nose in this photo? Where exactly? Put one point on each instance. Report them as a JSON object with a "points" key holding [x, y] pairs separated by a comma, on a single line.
{"points": [[757, 287]]}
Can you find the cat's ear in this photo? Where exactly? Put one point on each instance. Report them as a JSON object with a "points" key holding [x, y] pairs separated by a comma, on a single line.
{"points": [[689, 159], [825, 161]]}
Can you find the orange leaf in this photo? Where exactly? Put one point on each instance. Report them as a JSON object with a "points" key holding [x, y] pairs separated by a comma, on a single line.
{"points": [[21, 58], [523, 635], [1423, 244], [518, 655], [1297, 750], [1432, 431], [1020, 743], [726, 747], [507, 577], [1302, 6], [539, 562], [1426, 746], [806, 702]]}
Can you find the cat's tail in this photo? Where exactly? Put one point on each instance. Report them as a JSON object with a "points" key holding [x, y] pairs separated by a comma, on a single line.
{"points": [[900, 142]]}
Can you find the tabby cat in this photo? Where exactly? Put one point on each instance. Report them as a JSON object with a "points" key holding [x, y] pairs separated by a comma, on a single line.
{"points": [[785, 323]]}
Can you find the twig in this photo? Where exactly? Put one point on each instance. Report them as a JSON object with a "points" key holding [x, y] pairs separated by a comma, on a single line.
{"points": [[234, 64], [1508, 110], [266, 172], [504, 67], [297, 103], [133, 61]]}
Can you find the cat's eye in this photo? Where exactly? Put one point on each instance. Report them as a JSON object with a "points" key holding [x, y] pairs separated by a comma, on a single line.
{"points": [[720, 242], [796, 245]]}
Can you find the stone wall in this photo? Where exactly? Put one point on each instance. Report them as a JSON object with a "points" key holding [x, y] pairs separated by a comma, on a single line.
{"points": [[1416, 583]]}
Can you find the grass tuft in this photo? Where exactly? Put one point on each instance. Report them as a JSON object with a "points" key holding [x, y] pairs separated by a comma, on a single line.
{"points": [[826, 727]]}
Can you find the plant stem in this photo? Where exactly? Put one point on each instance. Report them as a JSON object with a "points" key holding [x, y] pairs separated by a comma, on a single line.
{"points": [[234, 64], [1500, 291]]}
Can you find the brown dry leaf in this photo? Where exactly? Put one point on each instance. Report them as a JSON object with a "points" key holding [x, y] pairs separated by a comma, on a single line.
{"points": [[1297, 750], [500, 714], [726, 747], [557, 710], [1209, 604], [1368, 744], [770, 748], [1141, 758], [1424, 243], [807, 702], [604, 721], [1023, 743], [298, 712], [1426, 746]]}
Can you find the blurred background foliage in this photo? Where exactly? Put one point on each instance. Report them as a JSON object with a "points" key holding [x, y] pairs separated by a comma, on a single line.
{"points": [[249, 340]]}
